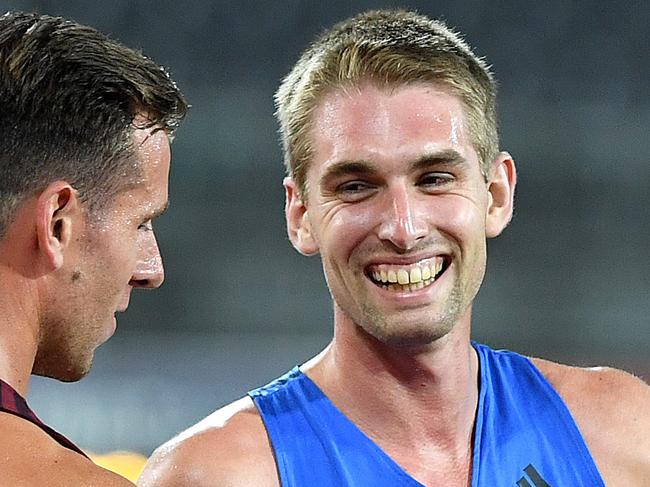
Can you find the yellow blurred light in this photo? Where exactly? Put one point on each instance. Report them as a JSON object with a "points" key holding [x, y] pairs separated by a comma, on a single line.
{"points": [[125, 463]]}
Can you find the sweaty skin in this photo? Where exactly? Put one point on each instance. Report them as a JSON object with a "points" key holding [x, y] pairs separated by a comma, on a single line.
{"points": [[70, 273], [395, 183]]}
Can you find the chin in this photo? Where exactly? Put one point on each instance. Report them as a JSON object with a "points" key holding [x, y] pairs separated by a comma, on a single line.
{"points": [[74, 377], [403, 330], [413, 337], [63, 370], [407, 335]]}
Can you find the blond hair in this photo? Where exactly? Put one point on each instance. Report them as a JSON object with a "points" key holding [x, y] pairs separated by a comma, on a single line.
{"points": [[389, 48]]}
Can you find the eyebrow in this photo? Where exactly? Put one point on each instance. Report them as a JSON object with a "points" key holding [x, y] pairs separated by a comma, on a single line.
{"points": [[444, 157], [155, 129], [447, 157], [348, 167]]}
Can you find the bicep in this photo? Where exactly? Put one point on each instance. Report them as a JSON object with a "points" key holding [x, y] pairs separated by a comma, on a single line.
{"points": [[616, 422], [635, 445], [166, 469], [205, 467]]}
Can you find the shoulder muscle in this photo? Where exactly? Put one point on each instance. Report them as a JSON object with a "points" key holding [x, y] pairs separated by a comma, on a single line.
{"points": [[612, 411], [30, 457], [229, 447]]}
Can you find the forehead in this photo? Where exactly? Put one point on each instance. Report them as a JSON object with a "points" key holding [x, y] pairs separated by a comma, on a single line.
{"points": [[402, 122], [147, 195], [153, 155]]}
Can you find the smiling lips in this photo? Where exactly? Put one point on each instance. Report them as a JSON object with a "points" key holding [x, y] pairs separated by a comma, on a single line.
{"points": [[407, 278]]}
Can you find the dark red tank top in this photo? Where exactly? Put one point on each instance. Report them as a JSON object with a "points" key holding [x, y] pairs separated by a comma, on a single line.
{"points": [[13, 403]]}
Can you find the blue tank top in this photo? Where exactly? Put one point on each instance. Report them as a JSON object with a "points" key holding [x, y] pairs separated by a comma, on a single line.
{"points": [[524, 434]]}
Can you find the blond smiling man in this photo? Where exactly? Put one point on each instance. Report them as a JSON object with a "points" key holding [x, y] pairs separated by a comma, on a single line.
{"points": [[396, 180]]}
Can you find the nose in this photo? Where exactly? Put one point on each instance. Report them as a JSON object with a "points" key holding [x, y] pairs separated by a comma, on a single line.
{"points": [[149, 271], [403, 222]]}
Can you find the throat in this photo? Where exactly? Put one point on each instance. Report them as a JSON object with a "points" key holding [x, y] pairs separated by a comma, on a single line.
{"points": [[434, 465]]}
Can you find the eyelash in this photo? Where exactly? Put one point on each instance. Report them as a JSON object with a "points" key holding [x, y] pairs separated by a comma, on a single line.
{"points": [[146, 226], [355, 190], [353, 186], [358, 189], [440, 178], [426, 179]]}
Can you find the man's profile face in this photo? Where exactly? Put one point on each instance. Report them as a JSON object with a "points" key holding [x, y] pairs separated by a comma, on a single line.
{"points": [[116, 251], [395, 192]]}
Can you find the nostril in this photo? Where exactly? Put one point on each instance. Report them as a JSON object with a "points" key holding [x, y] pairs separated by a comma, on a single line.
{"points": [[140, 282], [150, 282]]}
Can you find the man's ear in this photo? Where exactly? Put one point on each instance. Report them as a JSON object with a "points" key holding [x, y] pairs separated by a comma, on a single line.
{"points": [[56, 207], [298, 224], [501, 193]]}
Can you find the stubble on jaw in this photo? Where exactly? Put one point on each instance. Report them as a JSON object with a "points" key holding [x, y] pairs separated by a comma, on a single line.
{"points": [[391, 333]]}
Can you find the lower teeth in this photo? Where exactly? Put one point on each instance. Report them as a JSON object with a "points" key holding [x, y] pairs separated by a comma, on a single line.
{"points": [[407, 287]]}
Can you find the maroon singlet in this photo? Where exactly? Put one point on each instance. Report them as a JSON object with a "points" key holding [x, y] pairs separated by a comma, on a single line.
{"points": [[13, 403]]}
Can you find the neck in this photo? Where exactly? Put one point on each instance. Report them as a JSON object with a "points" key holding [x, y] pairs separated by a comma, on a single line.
{"points": [[415, 395], [18, 333]]}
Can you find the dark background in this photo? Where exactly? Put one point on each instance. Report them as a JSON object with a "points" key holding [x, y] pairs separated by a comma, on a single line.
{"points": [[568, 280]]}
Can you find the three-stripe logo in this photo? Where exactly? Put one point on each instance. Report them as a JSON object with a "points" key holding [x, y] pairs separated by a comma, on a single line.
{"points": [[532, 478]]}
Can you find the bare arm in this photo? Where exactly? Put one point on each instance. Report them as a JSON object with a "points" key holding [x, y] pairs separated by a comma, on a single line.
{"points": [[228, 448], [612, 411], [31, 458]]}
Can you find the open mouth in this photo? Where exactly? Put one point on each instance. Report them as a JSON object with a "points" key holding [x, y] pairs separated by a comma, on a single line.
{"points": [[408, 278]]}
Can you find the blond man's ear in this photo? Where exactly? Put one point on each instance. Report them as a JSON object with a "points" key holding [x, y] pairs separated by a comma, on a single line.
{"points": [[299, 227], [501, 193]]}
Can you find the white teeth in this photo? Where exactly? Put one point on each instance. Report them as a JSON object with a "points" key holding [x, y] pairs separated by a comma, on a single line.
{"points": [[407, 287], [426, 273], [402, 277], [415, 275], [409, 278]]}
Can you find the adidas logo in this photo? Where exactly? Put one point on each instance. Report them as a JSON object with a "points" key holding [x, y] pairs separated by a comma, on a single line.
{"points": [[532, 478]]}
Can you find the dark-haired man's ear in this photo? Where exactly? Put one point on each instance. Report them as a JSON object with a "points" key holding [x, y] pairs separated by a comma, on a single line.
{"points": [[298, 225], [501, 193], [56, 207]]}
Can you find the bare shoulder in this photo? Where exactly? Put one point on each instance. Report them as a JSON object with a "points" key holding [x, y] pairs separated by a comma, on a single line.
{"points": [[229, 447], [599, 393], [30, 457], [612, 410]]}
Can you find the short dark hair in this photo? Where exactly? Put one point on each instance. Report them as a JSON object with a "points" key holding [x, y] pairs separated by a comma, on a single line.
{"points": [[69, 100], [389, 48]]}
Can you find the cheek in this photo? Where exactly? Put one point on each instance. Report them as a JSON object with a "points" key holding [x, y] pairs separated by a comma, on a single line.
{"points": [[120, 252], [346, 227], [460, 216]]}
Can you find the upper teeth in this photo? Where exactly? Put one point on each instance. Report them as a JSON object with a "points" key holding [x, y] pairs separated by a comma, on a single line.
{"points": [[414, 273]]}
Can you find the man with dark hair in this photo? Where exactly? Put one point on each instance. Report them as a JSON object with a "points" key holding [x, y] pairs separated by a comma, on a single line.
{"points": [[396, 179], [85, 130]]}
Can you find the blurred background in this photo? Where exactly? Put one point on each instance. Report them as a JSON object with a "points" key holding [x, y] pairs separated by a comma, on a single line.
{"points": [[568, 280]]}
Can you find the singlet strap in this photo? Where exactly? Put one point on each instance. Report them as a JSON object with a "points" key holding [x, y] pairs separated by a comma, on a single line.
{"points": [[13, 403]]}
